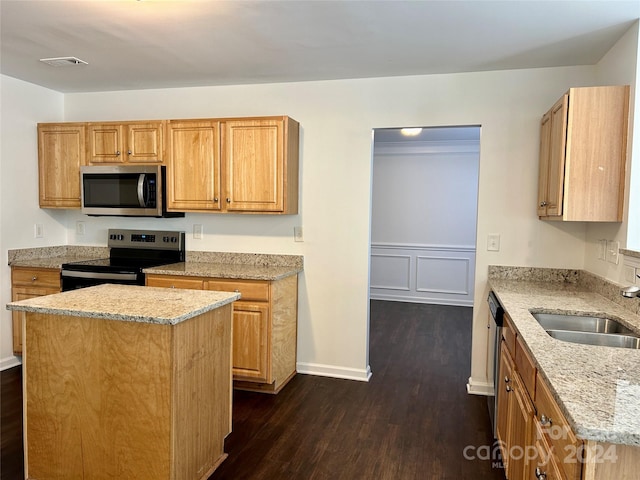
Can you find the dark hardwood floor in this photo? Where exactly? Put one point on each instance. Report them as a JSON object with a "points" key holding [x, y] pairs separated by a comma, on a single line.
{"points": [[413, 420]]}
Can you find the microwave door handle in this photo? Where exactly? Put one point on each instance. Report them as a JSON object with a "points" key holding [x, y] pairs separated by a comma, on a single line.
{"points": [[141, 182]]}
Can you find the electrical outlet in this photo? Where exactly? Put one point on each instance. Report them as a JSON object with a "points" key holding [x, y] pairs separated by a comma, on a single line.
{"points": [[80, 228], [197, 231], [493, 242], [38, 230], [629, 274], [612, 251], [297, 234]]}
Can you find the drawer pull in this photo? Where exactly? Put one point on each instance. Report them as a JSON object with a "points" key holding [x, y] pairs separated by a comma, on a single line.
{"points": [[508, 388], [540, 475], [544, 420], [506, 379], [34, 278]]}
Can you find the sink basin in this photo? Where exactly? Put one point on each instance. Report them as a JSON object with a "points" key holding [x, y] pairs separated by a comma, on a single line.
{"points": [[579, 323], [601, 339], [588, 330]]}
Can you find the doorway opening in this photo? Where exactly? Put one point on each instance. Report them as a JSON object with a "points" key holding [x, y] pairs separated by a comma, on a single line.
{"points": [[424, 215]]}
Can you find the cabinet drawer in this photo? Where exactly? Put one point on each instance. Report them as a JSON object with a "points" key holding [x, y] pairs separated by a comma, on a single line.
{"points": [[544, 462], [35, 277], [557, 432], [174, 282], [526, 368], [509, 335], [250, 290]]}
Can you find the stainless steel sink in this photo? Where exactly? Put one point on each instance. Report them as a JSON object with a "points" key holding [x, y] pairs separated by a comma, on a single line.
{"points": [[588, 330], [602, 339], [579, 323]]}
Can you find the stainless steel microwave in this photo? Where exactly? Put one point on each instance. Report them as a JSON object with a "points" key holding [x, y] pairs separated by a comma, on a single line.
{"points": [[125, 190]]}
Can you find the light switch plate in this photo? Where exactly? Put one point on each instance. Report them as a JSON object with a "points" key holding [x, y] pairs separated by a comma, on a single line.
{"points": [[80, 228], [493, 242], [602, 250], [197, 231], [38, 230], [297, 234], [629, 274]]}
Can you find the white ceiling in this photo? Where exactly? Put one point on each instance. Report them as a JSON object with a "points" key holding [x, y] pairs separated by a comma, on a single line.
{"points": [[131, 44]]}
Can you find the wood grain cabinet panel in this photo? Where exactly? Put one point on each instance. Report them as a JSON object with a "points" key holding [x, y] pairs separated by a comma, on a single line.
{"points": [[193, 170], [28, 283], [583, 153], [265, 326], [61, 153], [125, 143]]}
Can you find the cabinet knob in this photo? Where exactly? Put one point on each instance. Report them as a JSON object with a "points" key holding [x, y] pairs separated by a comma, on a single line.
{"points": [[129, 152], [506, 379], [34, 278], [215, 199], [228, 200], [237, 291], [540, 475], [544, 204], [544, 420], [508, 388], [117, 153], [173, 286]]}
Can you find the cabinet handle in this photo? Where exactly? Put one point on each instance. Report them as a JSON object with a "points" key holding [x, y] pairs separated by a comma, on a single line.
{"points": [[228, 200], [544, 204], [544, 420], [129, 152], [540, 475], [215, 199], [506, 379], [34, 278], [508, 388]]}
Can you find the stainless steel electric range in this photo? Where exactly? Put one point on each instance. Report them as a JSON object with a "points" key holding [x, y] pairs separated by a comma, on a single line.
{"points": [[130, 251]]}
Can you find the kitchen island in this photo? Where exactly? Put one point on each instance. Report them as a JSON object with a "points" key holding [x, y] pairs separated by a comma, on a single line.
{"points": [[126, 382]]}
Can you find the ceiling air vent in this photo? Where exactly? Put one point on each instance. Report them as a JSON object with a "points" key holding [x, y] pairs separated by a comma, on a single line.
{"points": [[63, 61]]}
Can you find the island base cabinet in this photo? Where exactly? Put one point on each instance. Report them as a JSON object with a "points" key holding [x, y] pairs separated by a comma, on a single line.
{"points": [[609, 461], [126, 400]]}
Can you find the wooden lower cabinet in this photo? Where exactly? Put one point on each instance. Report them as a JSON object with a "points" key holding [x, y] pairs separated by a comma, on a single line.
{"points": [[515, 420], [27, 282], [264, 327]]}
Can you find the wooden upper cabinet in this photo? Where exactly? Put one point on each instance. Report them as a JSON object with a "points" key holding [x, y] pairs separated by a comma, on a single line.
{"points": [[193, 170], [583, 154], [122, 143], [261, 165], [61, 153]]}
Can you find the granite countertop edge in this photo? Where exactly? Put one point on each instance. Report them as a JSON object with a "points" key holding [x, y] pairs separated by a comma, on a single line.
{"points": [[57, 304], [588, 382], [223, 270]]}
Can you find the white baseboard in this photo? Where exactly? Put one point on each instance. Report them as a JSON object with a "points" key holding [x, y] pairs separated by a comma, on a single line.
{"points": [[475, 387], [334, 372], [9, 362]]}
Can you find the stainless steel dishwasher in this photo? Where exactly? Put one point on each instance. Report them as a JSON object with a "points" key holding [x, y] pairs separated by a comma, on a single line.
{"points": [[497, 314]]}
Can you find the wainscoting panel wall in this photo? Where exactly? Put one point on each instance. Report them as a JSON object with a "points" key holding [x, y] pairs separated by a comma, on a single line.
{"points": [[423, 274]]}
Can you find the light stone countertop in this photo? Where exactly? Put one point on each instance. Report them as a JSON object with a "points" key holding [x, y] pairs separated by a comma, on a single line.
{"points": [[129, 303], [597, 388], [225, 270]]}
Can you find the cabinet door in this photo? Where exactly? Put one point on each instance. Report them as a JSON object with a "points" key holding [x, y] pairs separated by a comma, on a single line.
{"points": [[145, 142], [254, 165], [61, 153], [23, 293], [504, 394], [193, 171], [105, 144], [251, 342], [520, 431], [543, 172], [557, 150]]}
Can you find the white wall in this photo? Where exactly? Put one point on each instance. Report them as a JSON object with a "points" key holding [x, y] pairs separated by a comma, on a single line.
{"points": [[23, 105], [337, 119]]}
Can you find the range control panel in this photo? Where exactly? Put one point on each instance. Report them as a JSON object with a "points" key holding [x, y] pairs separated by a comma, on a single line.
{"points": [[155, 239]]}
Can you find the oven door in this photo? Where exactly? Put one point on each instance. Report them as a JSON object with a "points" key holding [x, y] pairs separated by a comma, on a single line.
{"points": [[122, 190], [72, 280]]}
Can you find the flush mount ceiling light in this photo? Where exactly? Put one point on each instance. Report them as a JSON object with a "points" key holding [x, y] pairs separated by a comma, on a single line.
{"points": [[63, 61], [410, 132]]}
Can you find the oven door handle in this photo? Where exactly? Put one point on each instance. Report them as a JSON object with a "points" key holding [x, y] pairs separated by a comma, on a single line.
{"points": [[141, 182], [99, 275]]}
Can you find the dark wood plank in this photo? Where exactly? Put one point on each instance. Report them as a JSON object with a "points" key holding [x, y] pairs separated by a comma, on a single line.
{"points": [[413, 420]]}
